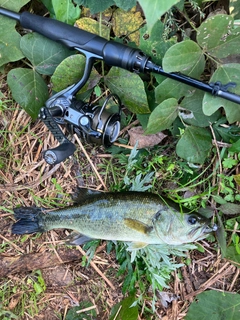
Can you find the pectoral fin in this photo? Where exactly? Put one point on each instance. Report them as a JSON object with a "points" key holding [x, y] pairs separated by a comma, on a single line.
{"points": [[138, 225], [77, 239], [136, 245]]}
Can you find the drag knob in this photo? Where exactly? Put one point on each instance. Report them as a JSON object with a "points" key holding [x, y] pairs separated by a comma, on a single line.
{"points": [[59, 154]]}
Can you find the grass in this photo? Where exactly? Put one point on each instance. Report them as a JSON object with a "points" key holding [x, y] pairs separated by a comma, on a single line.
{"points": [[25, 179]]}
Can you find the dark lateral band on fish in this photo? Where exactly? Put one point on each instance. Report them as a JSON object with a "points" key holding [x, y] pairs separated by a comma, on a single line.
{"points": [[138, 217]]}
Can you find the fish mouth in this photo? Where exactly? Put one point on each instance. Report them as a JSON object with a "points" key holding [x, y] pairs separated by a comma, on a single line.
{"points": [[205, 229]]}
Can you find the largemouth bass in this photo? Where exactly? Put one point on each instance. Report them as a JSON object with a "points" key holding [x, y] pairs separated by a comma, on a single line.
{"points": [[141, 218]]}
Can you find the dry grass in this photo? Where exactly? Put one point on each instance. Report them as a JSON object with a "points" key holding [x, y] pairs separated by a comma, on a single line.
{"points": [[25, 179]]}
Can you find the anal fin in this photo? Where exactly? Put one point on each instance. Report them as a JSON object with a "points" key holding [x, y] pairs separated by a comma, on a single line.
{"points": [[77, 239]]}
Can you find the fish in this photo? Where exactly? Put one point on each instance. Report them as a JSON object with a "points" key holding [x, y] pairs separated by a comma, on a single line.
{"points": [[140, 218]]}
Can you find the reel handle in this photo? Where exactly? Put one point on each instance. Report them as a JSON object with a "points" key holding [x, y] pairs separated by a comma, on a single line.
{"points": [[59, 154]]}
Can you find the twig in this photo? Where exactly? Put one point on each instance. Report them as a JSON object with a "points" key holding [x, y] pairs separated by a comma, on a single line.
{"points": [[12, 244], [220, 274], [93, 265], [90, 161]]}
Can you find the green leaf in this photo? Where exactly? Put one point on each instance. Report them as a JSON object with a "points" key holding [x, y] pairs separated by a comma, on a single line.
{"points": [[185, 57], [73, 313], [127, 311], [155, 10], [66, 11], [171, 89], [71, 71], [233, 255], [195, 145], [214, 305], [221, 236], [9, 41], [9, 37], [162, 116], [125, 4], [234, 9], [13, 5], [235, 147], [217, 36], [95, 6], [153, 44], [129, 87], [28, 89], [193, 114], [225, 73], [44, 54]]}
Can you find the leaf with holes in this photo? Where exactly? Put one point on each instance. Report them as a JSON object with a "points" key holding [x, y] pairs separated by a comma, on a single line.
{"points": [[28, 89], [192, 111], [194, 145], [217, 36], [153, 44]]}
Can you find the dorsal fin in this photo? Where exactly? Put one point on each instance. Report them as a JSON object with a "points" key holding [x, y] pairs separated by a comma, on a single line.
{"points": [[82, 194]]}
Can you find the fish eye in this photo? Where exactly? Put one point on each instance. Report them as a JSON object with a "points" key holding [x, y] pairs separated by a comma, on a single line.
{"points": [[192, 220]]}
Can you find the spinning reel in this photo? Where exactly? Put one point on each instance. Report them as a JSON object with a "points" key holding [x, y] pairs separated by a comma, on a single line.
{"points": [[93, 123]]}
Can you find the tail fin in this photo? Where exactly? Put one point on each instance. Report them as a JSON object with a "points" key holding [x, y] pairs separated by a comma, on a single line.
{"points": [[28, 220]]}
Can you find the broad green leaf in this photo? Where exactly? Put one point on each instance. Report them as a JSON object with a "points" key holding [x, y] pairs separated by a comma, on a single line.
{"points": [[28, 89], [192, 110], [162, 116], [234, 8], [94, 26], [233, 255], [153, 44], [235, 146], [154, 10], [171, 89], [194, 145], [125, 4], [185, 57], [71, 71], [229, 134], [9, 41], [225, 73], [127, 23], [9, 37], [95, 6], [179, 60], [130, 89], [125, 310], [44, 54], [66, 11], [13, 4], [217, 36], [214, 305]]}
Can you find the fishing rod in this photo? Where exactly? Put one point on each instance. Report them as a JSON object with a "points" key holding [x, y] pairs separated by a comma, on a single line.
{"points": [[95, 124]]}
